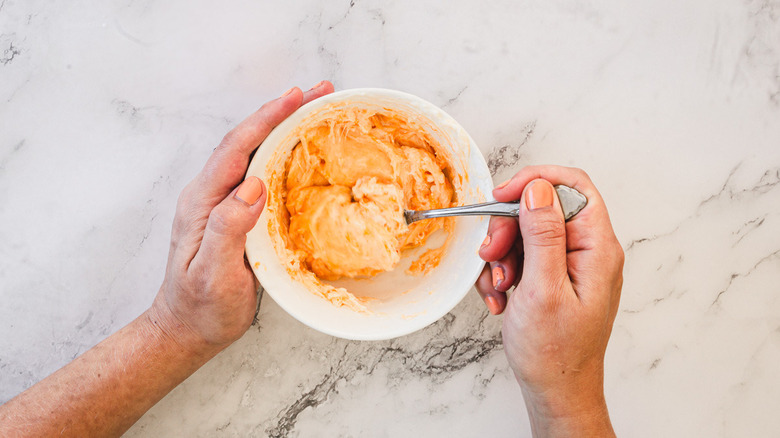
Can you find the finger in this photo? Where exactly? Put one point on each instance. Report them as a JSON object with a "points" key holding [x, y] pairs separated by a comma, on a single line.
{"points": [[225, 236], [520, 263], [501, 235], [494, 300], [319, 90], [226, 167], [544, 237], [590, 227], [248, 134], [504, 271]]}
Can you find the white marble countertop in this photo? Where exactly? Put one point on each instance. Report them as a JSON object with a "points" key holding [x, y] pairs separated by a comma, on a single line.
{"points": [[107, 109]]}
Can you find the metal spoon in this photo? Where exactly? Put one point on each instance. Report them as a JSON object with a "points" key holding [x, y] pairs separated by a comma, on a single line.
{"points": [[572, 202]]}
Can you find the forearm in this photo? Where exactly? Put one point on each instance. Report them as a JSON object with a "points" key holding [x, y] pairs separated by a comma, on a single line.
{"points": [[108, 388]]}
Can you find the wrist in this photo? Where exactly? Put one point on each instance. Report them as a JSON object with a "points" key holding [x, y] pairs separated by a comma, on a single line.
{"points": [[160, 320], [579, 409]]}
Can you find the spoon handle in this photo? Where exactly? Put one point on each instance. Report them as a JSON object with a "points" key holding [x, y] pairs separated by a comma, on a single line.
{"points": [[572, 203]]}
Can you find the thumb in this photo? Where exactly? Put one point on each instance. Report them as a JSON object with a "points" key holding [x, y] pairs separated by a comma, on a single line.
{"points": [[544, 236], [229, 221]]}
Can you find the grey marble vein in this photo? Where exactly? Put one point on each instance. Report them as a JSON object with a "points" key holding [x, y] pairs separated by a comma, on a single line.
{"points": [[9, 54], [438, 358], [734, 276], [749, 227], [509, 155]]}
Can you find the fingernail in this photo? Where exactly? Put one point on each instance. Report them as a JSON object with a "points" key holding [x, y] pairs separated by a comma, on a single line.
{"points": [[250, 190], [498, 275], [485, 242], [492, 304], [539, 195], [286, 93], [503, 184], [319, 84]]}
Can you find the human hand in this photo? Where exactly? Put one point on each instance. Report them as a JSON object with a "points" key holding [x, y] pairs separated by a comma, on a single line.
{"points": [[209, 295], [568, 277]]}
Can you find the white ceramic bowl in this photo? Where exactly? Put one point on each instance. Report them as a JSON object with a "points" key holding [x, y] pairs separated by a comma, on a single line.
{"points": [[404, 303]]}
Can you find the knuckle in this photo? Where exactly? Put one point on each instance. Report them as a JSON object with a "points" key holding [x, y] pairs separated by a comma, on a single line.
{"points": [[614, 254], [611, 257], [534, 169], [224, 218], [506, 226], [620, 255], [582, 176], [230, 138], [227, 163], [183, 206], [546, 230], [236, 166], [502, 235], [184, 198], [481, 289]]}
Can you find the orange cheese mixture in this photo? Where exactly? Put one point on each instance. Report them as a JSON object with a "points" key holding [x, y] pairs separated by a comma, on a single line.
{"points": [[345, 188]]}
